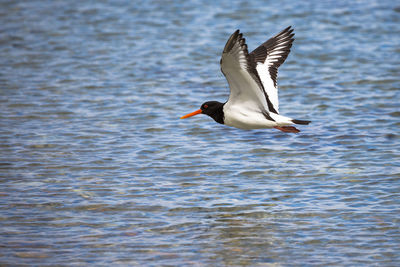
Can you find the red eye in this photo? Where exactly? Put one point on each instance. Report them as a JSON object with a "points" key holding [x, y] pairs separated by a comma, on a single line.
{"points": [[205, 106]]}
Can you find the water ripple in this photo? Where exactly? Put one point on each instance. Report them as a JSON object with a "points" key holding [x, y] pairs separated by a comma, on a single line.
{"points": [[97, 168]]}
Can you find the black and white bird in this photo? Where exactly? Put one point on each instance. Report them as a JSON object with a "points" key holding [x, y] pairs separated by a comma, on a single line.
{"points": [[253, 100]]}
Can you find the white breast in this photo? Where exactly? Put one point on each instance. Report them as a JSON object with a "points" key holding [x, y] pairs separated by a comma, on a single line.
{"points": [[245, 118]]}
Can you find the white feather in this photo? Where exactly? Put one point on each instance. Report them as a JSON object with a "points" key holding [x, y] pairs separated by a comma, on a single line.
{"points": [[268, 83]]}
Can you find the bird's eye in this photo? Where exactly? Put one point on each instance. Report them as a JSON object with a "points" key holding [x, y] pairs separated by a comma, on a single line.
{"points": [[205, 106]]}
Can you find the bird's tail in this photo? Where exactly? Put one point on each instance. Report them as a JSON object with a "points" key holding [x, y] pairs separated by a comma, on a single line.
{"points": [[301, 122]]}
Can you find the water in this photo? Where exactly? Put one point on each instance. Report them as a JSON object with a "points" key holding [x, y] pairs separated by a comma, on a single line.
{"points": [[97, 168]]}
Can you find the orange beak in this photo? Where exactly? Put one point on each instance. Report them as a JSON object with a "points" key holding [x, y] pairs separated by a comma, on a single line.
{"points": [[191, 114]]}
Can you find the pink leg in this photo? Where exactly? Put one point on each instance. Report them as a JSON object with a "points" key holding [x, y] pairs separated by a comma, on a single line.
{"points": [[287, 129]]}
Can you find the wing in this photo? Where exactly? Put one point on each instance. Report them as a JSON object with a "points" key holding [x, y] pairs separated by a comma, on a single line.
{"points": [[241, 74], [267, 58]]}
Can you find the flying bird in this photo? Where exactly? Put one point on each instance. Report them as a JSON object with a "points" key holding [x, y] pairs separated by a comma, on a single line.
{"points": [[253, 100]]}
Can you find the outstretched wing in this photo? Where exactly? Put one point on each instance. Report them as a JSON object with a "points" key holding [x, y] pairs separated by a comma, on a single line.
{"points": [[267, 58], [240, 72]]}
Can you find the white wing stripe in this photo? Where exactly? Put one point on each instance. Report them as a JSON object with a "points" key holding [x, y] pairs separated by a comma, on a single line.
{"points": [[268, 83]]}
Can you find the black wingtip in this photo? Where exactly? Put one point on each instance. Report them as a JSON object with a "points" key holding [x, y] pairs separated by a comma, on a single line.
{"points": [[302, 122], [231, 41], [287, 29]]}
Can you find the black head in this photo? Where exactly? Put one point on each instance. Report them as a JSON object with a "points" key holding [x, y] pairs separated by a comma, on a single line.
{"points": [[214, 109]]}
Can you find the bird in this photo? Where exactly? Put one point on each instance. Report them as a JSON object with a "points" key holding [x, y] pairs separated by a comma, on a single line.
{"points": [[252, 78]]}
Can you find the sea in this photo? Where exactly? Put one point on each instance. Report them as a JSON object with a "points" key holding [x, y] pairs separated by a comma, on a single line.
{"points": [[97, 169]]}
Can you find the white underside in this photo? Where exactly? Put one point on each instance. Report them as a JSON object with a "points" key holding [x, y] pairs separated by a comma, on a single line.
{"points": [[243, 118]]}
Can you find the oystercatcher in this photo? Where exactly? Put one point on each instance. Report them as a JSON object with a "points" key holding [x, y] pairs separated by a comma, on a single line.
{"points": [[253, 100]]}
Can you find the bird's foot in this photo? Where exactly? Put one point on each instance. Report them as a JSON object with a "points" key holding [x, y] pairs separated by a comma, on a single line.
{"points": [[287, 129]]}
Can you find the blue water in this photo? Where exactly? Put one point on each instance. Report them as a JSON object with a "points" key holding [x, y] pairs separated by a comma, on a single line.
{"points": [[97, 168]]}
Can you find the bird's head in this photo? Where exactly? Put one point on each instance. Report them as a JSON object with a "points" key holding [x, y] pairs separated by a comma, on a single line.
{"points": [[210, 108]]}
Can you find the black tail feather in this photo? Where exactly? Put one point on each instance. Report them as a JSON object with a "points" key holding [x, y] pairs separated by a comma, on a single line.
{"points": [[301, 122]]}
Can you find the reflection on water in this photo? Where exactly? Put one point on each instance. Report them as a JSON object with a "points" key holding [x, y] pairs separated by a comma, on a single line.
{"points": [[97, 168]]}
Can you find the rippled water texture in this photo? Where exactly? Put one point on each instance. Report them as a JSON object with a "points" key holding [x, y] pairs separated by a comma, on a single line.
{"points": [[97, 168]]}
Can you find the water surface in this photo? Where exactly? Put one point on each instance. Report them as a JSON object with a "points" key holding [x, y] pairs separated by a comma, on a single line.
{"points": [[97, 168]]}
